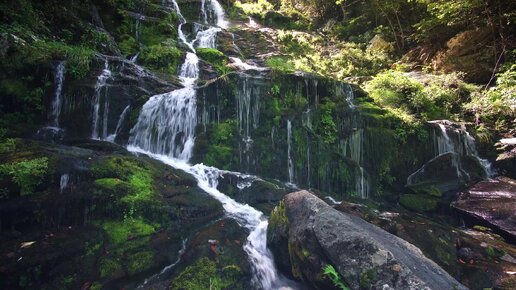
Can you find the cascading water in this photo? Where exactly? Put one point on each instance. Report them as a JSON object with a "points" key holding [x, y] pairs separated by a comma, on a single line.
{"points": [[463, 145], [63, 182], [166, 131], [289, 153], [56, 103], [352, 148], [101, 82], [121, 120]]}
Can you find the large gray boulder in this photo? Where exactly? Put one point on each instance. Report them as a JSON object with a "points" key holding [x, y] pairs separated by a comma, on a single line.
{"points": [[305, 235]]}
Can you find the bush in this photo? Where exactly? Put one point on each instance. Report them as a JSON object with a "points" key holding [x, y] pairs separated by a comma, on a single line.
{"points": [[436, 97], [26, 174]]}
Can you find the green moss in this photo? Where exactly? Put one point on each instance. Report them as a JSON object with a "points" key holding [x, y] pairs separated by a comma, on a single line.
{"points": [[108, 183], [419, 203], [119, 232], [140, 187], [427, 190], [367, 277], [215, 58], [494, 252], [26, 174], [109, 267], [122, 167], [200, 275], [163, 58], [140, 262]]}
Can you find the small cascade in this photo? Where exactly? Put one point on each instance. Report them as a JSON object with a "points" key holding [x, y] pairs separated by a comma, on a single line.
{"points": [[443, 141], [156, 277], [121, 120], [289, 153], [462, 143], [63, 182], [353, 148], [346, 91], [57, 102], [244, 66], [101, 82]]}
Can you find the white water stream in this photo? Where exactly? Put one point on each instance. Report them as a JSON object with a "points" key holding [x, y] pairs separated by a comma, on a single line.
{"points": [[101, 82], [57, 102], [166, 131]]}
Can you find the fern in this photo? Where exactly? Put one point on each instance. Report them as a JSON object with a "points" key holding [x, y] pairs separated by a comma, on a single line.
{"points": [[330, 271]]}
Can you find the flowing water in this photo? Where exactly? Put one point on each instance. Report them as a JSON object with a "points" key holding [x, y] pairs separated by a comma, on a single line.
{"points": [[57, 102], [165, 130], [290, 163], [121, 120], [101, 82], [462, 144]]}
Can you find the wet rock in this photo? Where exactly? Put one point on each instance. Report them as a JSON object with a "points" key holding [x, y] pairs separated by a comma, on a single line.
{"points": [[491, 203], [364, 255], [447, 172]]}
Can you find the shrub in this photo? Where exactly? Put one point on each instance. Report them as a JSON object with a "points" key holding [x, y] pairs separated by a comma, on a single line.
{"points": [[26, 174]]}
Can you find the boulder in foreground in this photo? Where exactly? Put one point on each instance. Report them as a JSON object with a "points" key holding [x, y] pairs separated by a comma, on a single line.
{"points": [[306, 235]]}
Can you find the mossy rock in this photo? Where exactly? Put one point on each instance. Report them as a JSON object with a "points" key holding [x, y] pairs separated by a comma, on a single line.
{"points": [[419, 202], [215, 58], [426, 190], [140, 262]]}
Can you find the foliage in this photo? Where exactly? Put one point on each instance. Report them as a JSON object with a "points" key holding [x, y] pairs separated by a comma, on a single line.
{"points": [[220, 150], [7, 145], [280, 64], [437, 97], [335, 277], [326, 128], [278, 216], [497, 104], [26, 174]]}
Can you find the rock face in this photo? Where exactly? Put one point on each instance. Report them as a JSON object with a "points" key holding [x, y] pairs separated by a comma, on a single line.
{"points": [[448, 171], [492, 203], [315, 235]]}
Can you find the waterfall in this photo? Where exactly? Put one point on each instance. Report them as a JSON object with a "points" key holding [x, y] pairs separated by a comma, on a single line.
{"points": [[444, 143], [101, 82], [165, 130], [57, 102], [63, 182], [289, 153], [463, 144], [353, 148], [121, 120]]}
